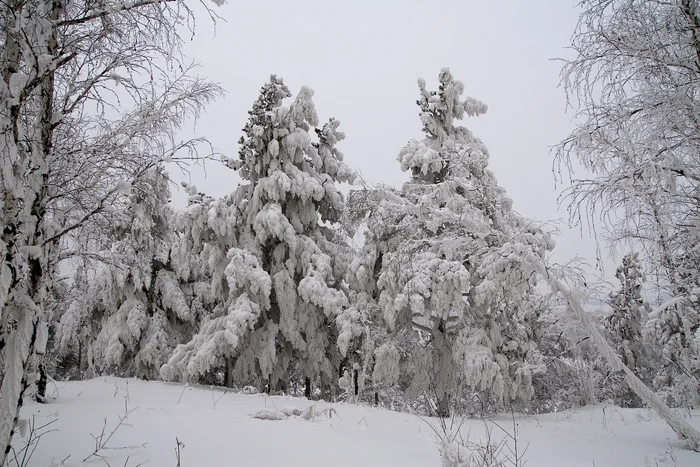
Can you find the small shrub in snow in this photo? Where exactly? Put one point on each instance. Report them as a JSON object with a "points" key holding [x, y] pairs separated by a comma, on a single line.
{"points": [[32, 433], [179, 445], [102, 441], [456, 451]]}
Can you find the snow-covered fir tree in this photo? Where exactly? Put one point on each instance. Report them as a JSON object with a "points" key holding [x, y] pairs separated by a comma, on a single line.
{"points": [[74, 331], [625, 324], [201, 239], [363, 334], [132, 311], [205, 231], [628, 313], [452, 260], [675, 326], [280, 282]]}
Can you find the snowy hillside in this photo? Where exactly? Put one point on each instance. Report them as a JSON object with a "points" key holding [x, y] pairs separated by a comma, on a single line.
{"points": [[217, 430]]}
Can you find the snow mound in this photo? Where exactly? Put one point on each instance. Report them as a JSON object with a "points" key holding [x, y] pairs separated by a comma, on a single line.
{"points": [[311, 413]]}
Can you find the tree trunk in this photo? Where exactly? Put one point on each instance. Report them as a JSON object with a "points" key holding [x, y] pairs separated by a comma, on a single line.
{"points": [[444, 382], [41, 384], [28, 265], [356, 382], [80, 359], [228, 374], [443, 405], [307, 388], [18, 356]]}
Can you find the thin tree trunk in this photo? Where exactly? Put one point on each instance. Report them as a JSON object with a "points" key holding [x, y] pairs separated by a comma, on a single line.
{"points": [[41, 384], [356, 382], [307, 388], [228, 375], [443, 405], [80, 359]]}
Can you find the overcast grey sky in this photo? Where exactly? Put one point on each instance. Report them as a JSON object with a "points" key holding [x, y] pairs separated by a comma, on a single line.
{"points": [[362, 59]]}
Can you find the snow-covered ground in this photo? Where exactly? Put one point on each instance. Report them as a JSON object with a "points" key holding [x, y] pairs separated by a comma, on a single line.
{"points": [[217, 430]]}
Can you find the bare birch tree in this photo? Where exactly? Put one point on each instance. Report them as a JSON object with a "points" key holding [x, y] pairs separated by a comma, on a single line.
{"points": [[635, 80], [91, 96]]}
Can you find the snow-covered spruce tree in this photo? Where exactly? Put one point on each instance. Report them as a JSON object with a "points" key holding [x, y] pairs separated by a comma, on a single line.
{"points": [[75, 330], [676, 328], [133, 310], [280, 282], [628, 310], [625, 324], [60, 163], [363, 334], [201, 239], [452, 256], [205, 231]]}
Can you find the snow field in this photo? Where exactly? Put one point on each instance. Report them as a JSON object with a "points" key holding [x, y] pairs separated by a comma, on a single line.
{"points": [[218, 431]]}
